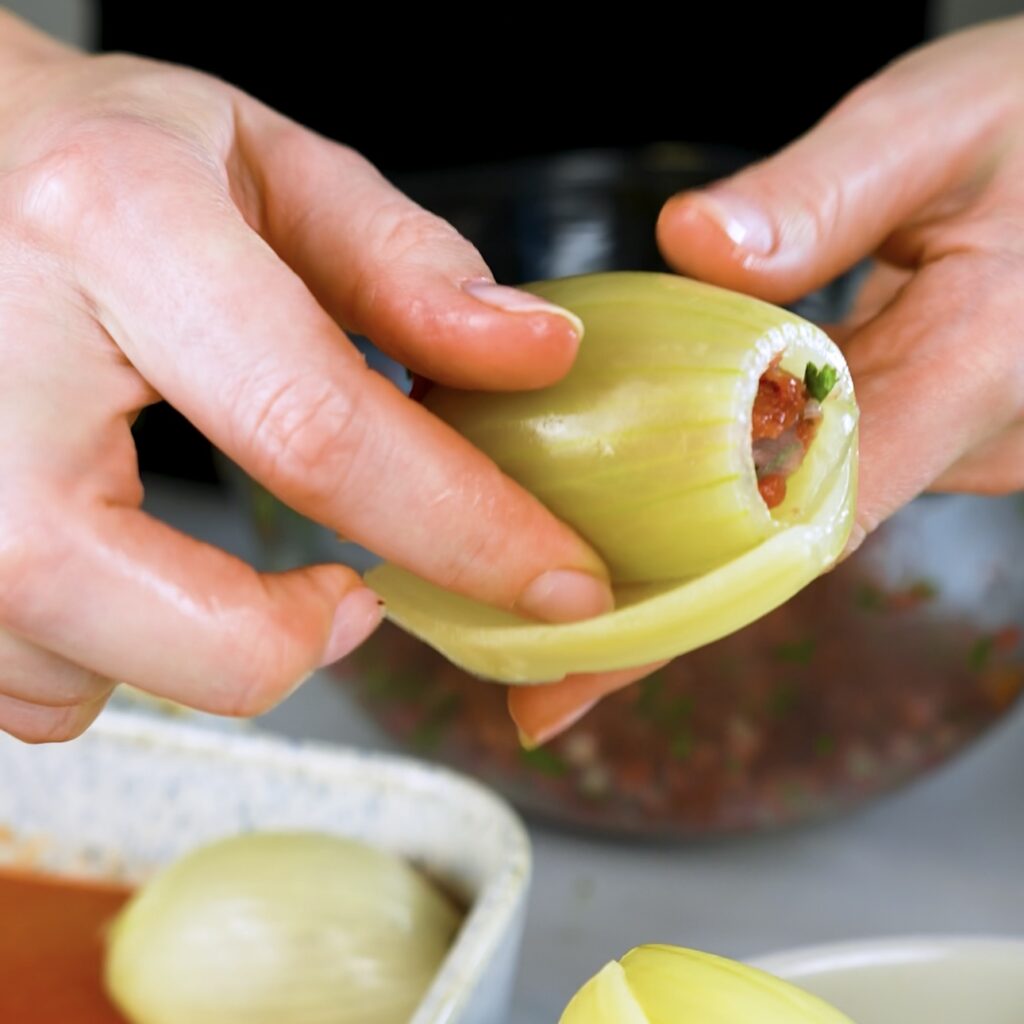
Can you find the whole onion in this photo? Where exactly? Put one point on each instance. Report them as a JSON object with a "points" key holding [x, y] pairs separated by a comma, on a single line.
{"points": [[279, 928]]}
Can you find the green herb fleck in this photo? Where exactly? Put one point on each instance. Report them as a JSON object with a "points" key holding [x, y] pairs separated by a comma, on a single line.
{"points": [[432, 728], [923, 590], [660, 706], [794, 794], [682, 746], [384, 685], [824, 745], [819, 383], [784, 699], [677, 710], [870, 598], [799, 652], [547, 762], [981, 653], [650, 697]]}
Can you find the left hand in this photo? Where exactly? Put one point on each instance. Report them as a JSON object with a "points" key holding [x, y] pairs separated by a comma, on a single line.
{"points": [[923, 167]]}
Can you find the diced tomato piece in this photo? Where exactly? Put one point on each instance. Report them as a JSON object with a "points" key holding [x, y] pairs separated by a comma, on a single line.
{"points": [[780, 403], [780, 408], [773, 489]]}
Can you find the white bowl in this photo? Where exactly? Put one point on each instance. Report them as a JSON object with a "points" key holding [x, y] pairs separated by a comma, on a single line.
{"points": [[914, 980], [135, 793]]}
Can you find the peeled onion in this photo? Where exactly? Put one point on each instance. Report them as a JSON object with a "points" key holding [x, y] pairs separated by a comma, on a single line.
{"points": [[280, 928]]}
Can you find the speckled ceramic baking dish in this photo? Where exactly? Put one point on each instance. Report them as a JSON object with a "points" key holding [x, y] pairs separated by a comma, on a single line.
{"points": [[135, 793]]}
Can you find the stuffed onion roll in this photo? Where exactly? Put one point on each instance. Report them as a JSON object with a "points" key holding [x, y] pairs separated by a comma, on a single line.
{"points": [[705, 444]]}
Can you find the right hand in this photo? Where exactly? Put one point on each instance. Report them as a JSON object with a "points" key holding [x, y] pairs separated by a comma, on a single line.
{"points": [[164, 235], [921, 167]]}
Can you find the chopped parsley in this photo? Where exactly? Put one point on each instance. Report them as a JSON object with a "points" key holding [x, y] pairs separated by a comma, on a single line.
{"points": [[980, 654], [547, 762], [819, 383], [798, 652]]}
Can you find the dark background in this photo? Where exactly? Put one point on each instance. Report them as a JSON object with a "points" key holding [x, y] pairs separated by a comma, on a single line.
{"points": [[437, 89]]}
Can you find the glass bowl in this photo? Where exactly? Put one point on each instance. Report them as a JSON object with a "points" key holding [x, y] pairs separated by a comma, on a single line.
{"points": [[873, 675], [876, 673]]}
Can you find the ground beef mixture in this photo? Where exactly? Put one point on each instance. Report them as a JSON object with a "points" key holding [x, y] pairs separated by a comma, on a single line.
{"points": [[784, 422]]}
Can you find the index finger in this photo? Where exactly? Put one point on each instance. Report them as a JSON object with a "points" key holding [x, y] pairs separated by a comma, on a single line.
{"points": [[233, 338]]}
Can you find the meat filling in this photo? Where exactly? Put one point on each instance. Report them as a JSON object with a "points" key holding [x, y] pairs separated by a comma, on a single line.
{"points": [[785, 420]]}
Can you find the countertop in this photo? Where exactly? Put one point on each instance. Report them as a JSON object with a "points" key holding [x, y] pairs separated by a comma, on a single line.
{"points": [[941, 856]]}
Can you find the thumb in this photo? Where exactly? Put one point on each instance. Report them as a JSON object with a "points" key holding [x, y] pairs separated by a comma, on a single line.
{"points": [[785, 226]]}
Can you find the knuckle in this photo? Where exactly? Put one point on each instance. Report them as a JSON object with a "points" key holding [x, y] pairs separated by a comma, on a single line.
{"points": [[33, 551], [819, 199], [306, 439], [982, 285], [109, 171], [261, 677], [56, 190], [50, 725], [403, 238], [463, 570], [469, 567], [268, 649], [400, 229], [870, 100], [253, 696]]}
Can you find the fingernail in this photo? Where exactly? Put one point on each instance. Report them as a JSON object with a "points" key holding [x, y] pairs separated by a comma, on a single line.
{"points": [[566, 722], [528, 743], [565, 595], [746, 224], [549, 730], [512, 300], [355, 618]]}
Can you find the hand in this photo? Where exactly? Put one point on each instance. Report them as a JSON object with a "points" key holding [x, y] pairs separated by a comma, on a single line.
{"points": [[163, 235], [922, 167]]}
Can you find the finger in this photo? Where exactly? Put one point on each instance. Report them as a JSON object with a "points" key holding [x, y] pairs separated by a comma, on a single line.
{"points": [[386, 268], [35, 723], [34, 675], [787, 225], [132, 599], [995, 466], [232, 338], [543, 712], [936, 377]]}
